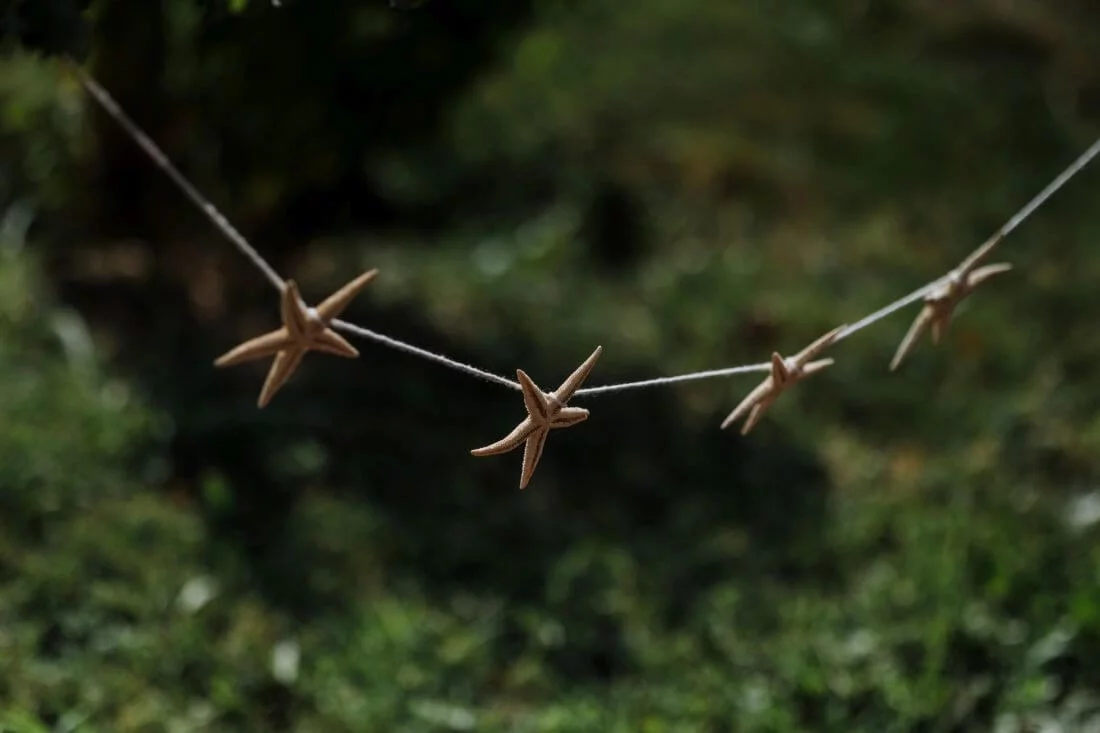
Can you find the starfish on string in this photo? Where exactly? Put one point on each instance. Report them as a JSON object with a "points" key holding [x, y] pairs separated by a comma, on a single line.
{"points": [[304, 329], [940, 304], [545, 411], [104, 99], [785, 372]]}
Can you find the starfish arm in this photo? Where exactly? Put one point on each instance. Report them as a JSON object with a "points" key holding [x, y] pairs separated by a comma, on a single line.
{"points": [[256, 348], [568, 416], [940, 323], [746, 404], [533, 398], [980, 275], [816, 366], [532, 452], [818, 346], [334, 305], [295, 317], [754, 417], [780, 373], [758, 412], [920, 324], [331, 342], [281, 369], [576, 379], [511, 441], [976, 256]]}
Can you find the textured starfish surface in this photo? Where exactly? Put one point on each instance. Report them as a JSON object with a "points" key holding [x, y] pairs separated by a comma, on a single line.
{"points": [[939, 305], [785, 372], [545, 411], [304, 329]]}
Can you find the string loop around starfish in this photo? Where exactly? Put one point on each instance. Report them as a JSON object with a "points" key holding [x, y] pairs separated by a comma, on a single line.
{"points": [[304, 329], [940, 304], [784, 373], [545, 411]]}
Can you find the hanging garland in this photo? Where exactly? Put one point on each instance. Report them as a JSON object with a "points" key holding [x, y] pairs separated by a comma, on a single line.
{"points": [[308, 328]]}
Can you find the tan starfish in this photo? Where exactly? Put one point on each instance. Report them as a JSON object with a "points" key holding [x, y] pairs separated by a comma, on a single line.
{"points": [[545, 411], [940, 304], [785, 372], [304, 329]]}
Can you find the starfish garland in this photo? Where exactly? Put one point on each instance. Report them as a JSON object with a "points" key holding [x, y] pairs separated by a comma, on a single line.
{"points": [[785, 372], [545, 411], [304, 329], [940, 304]]}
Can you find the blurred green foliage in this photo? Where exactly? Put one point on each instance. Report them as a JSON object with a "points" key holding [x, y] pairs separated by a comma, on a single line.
{"points": [[689, 183]]}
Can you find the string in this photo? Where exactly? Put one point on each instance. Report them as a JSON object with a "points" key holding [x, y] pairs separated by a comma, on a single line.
{"points": [[709, 374], [1017, 219], [108, 103], [425, 354], [104, 98], [891, 309], [145, 142], [887, 310], [1072, 170], [748, 368]]}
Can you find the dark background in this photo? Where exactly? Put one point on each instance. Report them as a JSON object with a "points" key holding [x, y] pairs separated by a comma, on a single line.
{"points": [[691, 184]]}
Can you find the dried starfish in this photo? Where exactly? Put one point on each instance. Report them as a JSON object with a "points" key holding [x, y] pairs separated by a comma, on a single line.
{"points": [[304, 329], [941, 302], [545, 411], [785, 372]]}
